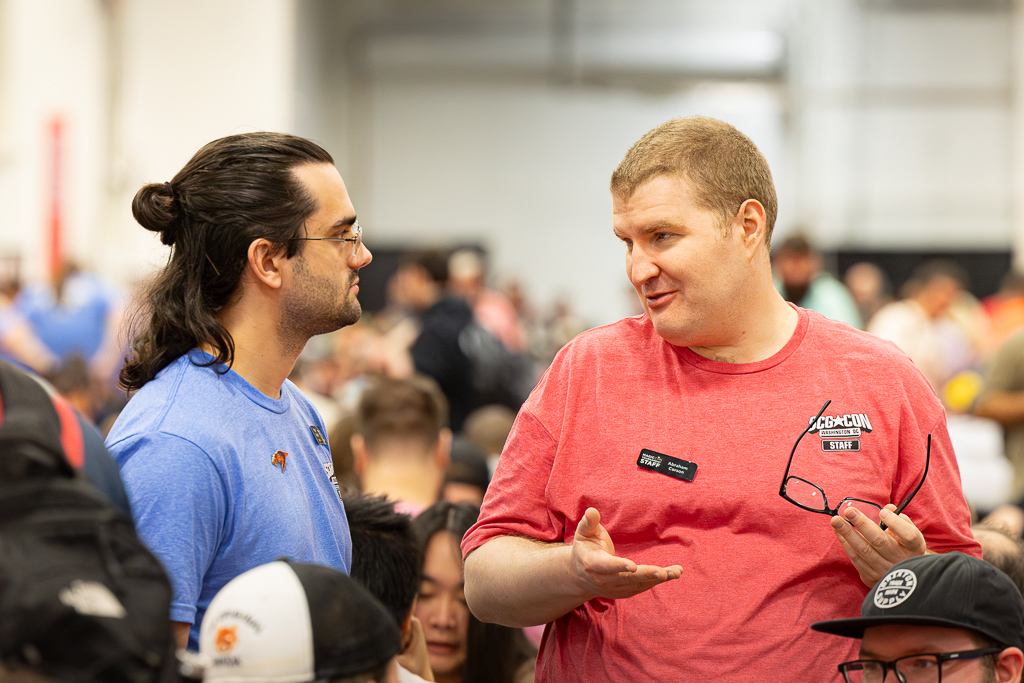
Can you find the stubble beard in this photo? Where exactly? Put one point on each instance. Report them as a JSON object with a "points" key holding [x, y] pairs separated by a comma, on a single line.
{"points": [[312, 308]]}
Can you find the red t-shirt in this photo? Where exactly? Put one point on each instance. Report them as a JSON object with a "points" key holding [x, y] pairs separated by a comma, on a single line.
{"points": [[757, 570]]}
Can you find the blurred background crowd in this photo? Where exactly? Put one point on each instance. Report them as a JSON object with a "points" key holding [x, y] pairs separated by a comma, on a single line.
{"points": [[477, 346], [477, 140]]}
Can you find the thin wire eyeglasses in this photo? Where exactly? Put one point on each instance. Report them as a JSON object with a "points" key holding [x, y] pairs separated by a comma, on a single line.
{"points": [[922, 668], [357, 231], [808, 492]]}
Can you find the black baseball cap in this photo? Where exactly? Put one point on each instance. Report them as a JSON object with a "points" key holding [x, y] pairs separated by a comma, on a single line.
{"points": [[952, 590], [286, 622]]}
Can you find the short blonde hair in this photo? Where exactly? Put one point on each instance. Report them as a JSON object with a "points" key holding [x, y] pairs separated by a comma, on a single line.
{"points": [[722, 164]]}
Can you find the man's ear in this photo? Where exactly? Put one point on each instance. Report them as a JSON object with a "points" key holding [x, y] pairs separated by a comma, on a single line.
{"points": [[359, 456], [1009, 665], [753, 222], [265, 262]]}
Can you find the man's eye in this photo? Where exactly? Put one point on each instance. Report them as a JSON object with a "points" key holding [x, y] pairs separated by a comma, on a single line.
{"points": [[920, 663], [629, 244], [661, 236]]}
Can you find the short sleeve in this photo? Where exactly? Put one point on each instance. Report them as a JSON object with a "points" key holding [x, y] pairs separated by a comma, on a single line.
{"points": [[179, 507], [516, 502], [939, 510]]}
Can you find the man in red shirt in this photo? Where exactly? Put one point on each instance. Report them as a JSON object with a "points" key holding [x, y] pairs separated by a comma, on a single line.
{"points": [[635, 508]]}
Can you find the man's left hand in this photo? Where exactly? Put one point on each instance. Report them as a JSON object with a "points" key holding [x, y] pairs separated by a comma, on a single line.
{"points": [[873, 551]]}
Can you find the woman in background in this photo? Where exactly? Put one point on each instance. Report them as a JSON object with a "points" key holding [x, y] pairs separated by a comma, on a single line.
{"points": [[462, 649]]}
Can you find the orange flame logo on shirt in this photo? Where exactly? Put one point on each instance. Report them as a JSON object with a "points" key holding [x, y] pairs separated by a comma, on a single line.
{"points": [[226, 638], [278, 459]]}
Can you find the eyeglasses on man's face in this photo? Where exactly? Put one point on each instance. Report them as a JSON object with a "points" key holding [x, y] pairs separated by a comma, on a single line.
{"points": [[922, 668], [356, 238], [809, 496]]}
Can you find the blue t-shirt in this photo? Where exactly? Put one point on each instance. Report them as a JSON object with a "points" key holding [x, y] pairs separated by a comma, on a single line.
{"points": [[78, 324], [222, 478]]}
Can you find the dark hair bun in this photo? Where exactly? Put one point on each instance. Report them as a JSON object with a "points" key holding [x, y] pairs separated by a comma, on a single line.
{"points": [[156, 209]]}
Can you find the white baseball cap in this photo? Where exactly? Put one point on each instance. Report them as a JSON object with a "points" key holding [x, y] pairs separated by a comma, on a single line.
{"points": [[285, 622]]}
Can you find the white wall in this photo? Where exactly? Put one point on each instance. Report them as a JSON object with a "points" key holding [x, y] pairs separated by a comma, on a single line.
{"points": [[885, 128], [902, 125], [52, 65], [141, 85], [525, 169], [192, 71]]}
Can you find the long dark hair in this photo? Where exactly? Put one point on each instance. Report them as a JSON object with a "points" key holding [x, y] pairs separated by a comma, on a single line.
{"points": [[233, 191], [493, 652]]}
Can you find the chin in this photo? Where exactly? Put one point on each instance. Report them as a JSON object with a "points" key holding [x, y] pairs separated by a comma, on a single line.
{"points": [[675, 335], [445, 666]]}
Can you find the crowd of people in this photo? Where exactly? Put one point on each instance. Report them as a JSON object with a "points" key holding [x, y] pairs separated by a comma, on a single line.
{"points": [[453, 490]]}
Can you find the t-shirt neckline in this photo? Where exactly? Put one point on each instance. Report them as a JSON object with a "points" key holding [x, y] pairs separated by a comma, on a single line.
{"points": [[723, 368], [276, 405]]}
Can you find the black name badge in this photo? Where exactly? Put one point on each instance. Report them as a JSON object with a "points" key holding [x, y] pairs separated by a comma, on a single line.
{"points": [[666, 464], [840, 444]]}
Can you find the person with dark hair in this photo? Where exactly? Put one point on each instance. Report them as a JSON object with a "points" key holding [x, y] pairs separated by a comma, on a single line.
{"points": [[937, 618], [800, 278], [469, 364], [402, 443], [386, 561], [687, 489], [462, 648], [226, 462], [436, 352]]}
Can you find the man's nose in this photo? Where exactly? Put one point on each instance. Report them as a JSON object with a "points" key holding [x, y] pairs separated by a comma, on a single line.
{"points": [[640, 266], [361, 257]]}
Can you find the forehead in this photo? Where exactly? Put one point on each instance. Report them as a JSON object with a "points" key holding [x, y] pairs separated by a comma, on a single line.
{"points": [[324, 184], [667, 198], [897, 640], [443, 561]]}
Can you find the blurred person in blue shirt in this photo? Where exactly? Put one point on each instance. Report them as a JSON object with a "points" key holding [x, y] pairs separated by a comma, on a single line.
{"points": [[800, 280]]}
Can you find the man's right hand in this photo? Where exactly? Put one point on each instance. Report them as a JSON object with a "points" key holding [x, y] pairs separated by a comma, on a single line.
{"points": [[604, 575]]}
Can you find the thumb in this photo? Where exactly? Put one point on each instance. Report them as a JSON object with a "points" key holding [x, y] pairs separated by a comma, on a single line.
{"points": [[590, 523]]}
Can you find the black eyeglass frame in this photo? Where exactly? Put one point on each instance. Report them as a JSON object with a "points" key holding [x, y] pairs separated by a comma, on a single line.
{"points": [[940, 658], [832, 512]]}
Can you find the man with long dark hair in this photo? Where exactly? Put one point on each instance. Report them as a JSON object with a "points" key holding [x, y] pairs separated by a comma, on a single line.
{"points": [[225, 461]]}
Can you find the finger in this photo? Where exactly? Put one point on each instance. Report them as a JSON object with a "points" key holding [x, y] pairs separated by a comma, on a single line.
{"points": [[905, 529], [856, 545], [868, 573], [648, 572], [872, 533], [597, 561]]}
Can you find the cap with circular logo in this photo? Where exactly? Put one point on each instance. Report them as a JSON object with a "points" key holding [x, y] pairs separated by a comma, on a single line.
{"points": [[952, 590], [286, 622]]}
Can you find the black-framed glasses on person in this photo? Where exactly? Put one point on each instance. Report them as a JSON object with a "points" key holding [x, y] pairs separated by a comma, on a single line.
{"points": [[922, 668], [810, 496], [357, 237]]}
